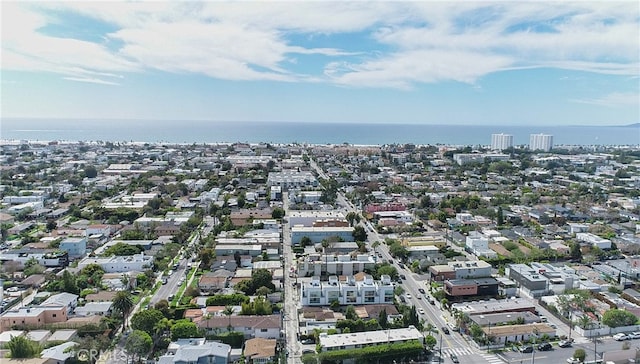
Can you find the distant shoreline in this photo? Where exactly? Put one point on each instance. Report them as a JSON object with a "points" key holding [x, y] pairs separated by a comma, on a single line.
{"points": [[189, 132]]}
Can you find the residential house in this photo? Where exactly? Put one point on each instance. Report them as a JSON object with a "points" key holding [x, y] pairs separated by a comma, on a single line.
{"points": [[267, 327], [260, 351], [196, 351]]}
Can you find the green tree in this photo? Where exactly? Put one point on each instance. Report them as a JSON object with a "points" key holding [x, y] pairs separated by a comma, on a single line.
{"points": [[183, 329], [69, 283], [617, 318], [22, 348], [123, 303], [574, 252], [277, 213], [580, 354], [383, 319], [122, 249], [146, 320], [228, 311], [163, 306], [138, 343], [205, 256], [350, 313], [51, 225], [262, 278], [398, 251], [305, 241], [359, 233], [90, 171], [430, 342]]}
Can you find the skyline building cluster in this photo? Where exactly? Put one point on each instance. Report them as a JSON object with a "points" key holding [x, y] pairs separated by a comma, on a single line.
{"points": [[540, 141]]}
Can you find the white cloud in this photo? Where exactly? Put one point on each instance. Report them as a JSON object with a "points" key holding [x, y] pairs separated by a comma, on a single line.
{"points": [[613, 99], [92, 80], [411, 42]]}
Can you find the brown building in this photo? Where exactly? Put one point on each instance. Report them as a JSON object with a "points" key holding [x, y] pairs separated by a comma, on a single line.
{"points": [[33, 317], [260, 351]]}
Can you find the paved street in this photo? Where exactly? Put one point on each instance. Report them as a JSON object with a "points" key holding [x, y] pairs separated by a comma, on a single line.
{"points": [[290, 314]]}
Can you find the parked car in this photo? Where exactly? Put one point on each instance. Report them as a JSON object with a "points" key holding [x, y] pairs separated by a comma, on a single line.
{"points": [[565, 343], [408, 295], [421, 311], [634, 335], [545, 347], [573, 360], [526, 349], [402, 276], [308, 341]]}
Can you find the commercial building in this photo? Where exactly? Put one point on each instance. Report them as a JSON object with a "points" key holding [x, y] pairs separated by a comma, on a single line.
{"points": [[317, 234], [542, 142], [460, 288], [369, 338], [360, 289], [531, 281], [119, 264], [501, 141], [308, 218]]}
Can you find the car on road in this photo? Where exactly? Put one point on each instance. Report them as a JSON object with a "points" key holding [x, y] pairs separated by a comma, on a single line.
{"points": [[621, 337], [445, 330], [408, 295], [526, 349], [401, 265], [565, 343], [454, 358], [421, 290], [403, 277], [545, 347], [421, 311]]}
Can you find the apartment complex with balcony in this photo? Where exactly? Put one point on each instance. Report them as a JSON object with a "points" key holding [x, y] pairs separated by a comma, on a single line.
{"points": [[360, 289]]}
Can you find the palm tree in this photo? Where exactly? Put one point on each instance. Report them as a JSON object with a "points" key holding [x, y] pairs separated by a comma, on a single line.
{"points": [[228, 311], [122, 302]]}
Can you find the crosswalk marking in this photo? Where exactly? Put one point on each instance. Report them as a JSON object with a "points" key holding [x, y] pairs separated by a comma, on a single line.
{"points": [[467, 351]]}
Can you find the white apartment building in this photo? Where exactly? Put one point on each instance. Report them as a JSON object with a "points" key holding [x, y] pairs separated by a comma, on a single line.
{"points": [[594, 240], [120, 264], [542, 142], [292, 179], [347, 291], [344, 264], [501, 141]]}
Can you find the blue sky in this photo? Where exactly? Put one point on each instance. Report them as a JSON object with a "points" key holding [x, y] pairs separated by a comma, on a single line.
{"points": [[512, 63]]}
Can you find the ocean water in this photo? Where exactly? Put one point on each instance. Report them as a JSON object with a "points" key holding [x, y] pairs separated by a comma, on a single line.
{"points": [[178, 131]]}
